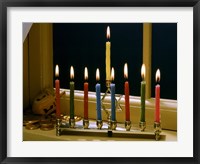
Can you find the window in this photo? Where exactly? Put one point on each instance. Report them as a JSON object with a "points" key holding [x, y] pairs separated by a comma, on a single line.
{"points": [[83, 44]]}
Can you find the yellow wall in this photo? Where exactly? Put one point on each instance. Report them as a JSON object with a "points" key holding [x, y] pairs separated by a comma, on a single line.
{"points": [[38, 61]]}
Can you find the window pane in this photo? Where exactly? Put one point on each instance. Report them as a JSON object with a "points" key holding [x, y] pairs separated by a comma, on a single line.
{"points": [[164, 57], [83, 44]]}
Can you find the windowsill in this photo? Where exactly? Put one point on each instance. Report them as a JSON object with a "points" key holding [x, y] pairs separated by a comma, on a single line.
{"points": [[168, 121]]}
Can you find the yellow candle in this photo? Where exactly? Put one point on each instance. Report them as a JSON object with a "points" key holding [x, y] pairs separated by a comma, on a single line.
{"points": [[108, 45]]}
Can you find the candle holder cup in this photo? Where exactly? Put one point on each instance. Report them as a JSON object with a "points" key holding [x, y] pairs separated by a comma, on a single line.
{"points": [[113, 125], [157, 130], [108, 82], [128, 125], [85, 123], [142, 126], [99, 124], [71, 122]]}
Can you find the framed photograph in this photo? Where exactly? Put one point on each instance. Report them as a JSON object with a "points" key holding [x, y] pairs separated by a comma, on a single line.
{"points": [[159, 43]]}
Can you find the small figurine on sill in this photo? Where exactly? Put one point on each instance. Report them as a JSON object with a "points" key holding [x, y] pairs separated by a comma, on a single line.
{"points": [[44, 103]]}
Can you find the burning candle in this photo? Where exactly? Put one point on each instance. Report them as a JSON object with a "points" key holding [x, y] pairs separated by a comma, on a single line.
{"points": [[143, 87], [71, 93], [108, 45], [86, 94], [57, 84], [98, 95], [126, 91], [112, 88], [157, 100]]}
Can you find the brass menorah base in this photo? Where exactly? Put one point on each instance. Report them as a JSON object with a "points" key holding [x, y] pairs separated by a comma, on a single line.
{"points": [[101, 129]]}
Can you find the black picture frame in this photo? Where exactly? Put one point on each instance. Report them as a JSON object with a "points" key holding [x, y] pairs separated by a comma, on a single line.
{"points": [[4, 4]]}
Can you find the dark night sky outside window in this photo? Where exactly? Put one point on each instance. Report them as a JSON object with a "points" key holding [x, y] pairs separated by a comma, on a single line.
{"points": [[83, 44]]}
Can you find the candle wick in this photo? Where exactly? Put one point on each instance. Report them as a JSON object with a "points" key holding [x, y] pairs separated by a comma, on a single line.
{"points": [[143, 78], [125, 79]]}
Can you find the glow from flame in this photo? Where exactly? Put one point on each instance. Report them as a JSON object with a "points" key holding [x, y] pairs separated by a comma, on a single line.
{"points": [[158, 75], [57, 71], [86, 73], [97, 74], [108, 32], [125, 71], [112, 74], [143, 69], [71, 72]]}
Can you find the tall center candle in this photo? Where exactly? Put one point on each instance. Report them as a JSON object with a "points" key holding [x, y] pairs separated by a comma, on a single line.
{"points": [[98, 95], [143, 88], [108, 45], [157, 99], [112, 88], [126, 92], [71, 93], [57, 86], [86, 94]]}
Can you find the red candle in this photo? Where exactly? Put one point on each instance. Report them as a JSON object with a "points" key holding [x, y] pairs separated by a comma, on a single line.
{"points": [[57, 84], [86, 94], [157, 99], [126, 91]]}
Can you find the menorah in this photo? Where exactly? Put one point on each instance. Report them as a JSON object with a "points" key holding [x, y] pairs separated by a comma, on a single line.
{"points": [[63, 128], [112, 122]]}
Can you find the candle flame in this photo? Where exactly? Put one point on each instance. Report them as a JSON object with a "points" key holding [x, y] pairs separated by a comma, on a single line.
{"points": [[71, 72], [57, 71], [108, 32], [157, 75], [112, 74], [143, 69], [86, 73], [125, 71], [97, 74]]}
